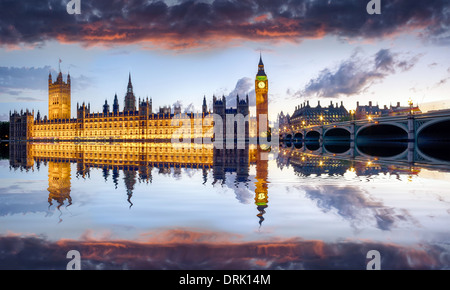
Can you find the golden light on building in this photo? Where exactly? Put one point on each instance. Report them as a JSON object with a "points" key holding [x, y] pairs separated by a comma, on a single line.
{"points": [[261, 184], [59, 183], [140, 124]]}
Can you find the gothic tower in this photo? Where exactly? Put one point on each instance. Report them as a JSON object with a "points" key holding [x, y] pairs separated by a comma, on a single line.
{"points": [[58, 97], [261, 90], [106, 108], [59, 182], [130, 99]]}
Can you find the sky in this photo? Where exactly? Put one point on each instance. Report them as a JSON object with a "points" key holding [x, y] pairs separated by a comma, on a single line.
{"points": [[180, 51]]}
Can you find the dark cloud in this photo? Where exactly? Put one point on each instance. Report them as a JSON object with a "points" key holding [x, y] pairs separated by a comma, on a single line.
{"points": [[355, 75], [384, 60], [190, 250], [192, 23]]}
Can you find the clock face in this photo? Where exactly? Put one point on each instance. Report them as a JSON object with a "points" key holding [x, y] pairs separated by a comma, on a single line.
{"points": [[261, 85]]}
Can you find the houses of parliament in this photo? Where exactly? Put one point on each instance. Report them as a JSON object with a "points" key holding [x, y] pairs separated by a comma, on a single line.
{"points": [[89, 140], [136, 121]]}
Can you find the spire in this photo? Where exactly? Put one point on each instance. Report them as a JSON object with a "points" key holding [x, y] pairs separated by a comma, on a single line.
{"points": [[261, 67], [130, 99], [130, 85], [115, 104]]}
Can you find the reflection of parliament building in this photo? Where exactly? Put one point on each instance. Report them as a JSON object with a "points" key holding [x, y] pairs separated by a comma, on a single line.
{"points": [[136, 162]]}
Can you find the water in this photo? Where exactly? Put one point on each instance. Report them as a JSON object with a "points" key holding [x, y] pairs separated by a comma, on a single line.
{"points": [[142, 206]]}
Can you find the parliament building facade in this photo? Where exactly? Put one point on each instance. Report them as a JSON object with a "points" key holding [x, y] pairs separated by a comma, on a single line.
{"points": [[136, 121]]}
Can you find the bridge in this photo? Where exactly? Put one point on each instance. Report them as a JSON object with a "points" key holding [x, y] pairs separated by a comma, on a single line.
{"points": [[412, 138]]}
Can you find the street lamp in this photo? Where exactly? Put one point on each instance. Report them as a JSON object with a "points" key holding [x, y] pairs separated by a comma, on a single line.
{"points": [[410, 102], [352, 115]]}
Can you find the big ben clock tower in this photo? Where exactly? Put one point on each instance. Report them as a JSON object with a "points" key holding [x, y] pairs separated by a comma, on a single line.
{"points": [[261, 90]]}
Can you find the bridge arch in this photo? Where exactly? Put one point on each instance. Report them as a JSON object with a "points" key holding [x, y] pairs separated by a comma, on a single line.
{"points": [[312, 136], [337, 134], [298, 137], [337, 140], [433, 140], [382, 140], [402, 126], [430, 123]]}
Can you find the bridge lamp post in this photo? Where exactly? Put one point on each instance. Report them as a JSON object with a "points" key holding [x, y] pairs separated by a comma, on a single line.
{"points": [[321, 131], [410, 102], [352, 115]]}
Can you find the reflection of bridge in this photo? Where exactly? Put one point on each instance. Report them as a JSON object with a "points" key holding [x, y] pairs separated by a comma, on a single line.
{"points": [[310, 163], [413, 138]]}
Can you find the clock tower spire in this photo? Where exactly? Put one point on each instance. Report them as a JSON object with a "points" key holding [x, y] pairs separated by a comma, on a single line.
{"points": [[261, 91]]}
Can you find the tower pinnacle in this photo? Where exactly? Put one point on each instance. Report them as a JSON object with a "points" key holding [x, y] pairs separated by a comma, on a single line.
{"points": [[130, 99]]}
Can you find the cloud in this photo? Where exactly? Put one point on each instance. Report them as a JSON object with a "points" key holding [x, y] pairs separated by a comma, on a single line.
{"points": [[12, 78], [22, 84], [186, 249], [355, 75], [354, 205], [188, 109], [441, 82], [384, 60], [4, 117], [28, 99], [244, 86], [193, 24]]}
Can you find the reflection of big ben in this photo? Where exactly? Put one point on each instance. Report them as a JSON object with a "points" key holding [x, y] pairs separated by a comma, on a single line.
{"points": [[59, 182], [261, 191], [261, 90]]}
